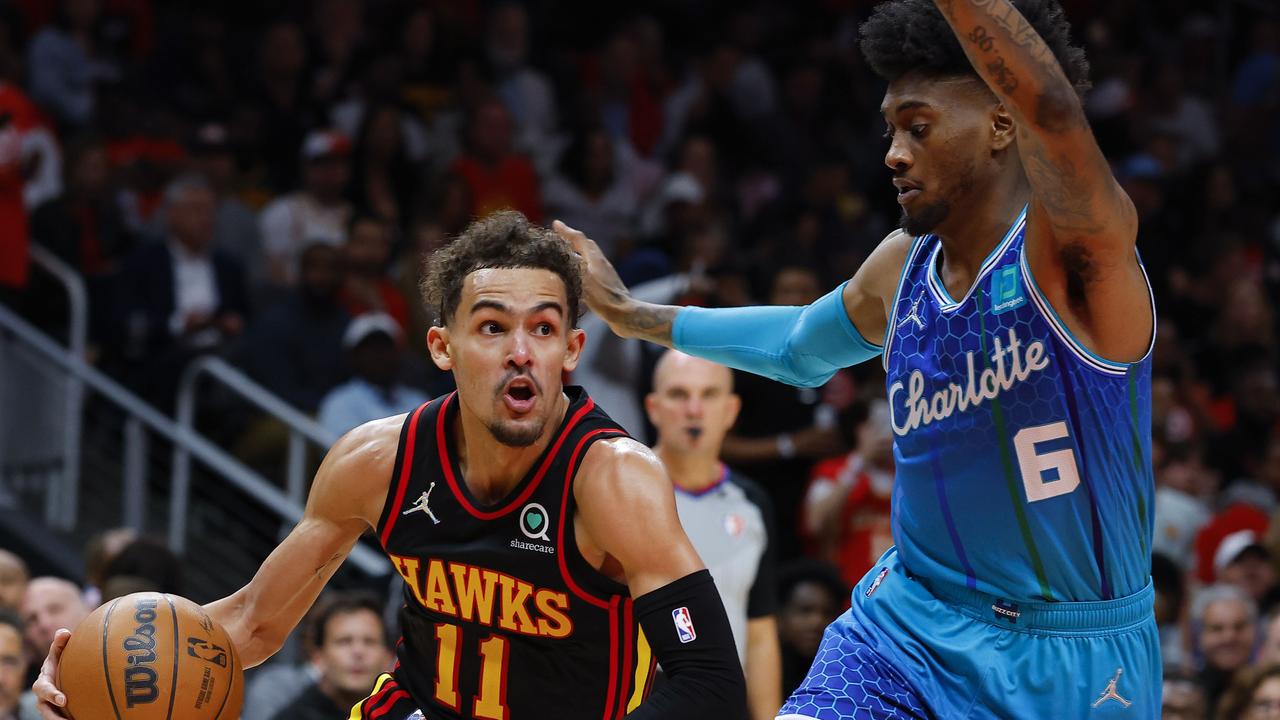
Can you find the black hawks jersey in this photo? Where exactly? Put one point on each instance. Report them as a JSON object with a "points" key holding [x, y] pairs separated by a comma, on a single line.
{"points": [[503, 618]]}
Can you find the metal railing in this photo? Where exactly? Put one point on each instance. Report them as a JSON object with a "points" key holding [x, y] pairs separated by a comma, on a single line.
{"points": [[141, 415], [301, 427], [61, 501]]}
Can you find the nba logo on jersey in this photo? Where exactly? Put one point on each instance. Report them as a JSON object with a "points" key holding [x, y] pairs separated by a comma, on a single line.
{"points": [[1006, 290], [684, 625]]}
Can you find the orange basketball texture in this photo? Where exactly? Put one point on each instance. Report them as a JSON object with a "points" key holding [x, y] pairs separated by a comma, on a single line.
{"points": [[150, 656]]}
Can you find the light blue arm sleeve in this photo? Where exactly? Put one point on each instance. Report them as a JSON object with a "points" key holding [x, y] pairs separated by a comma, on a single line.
{"points": [[802, 346]]}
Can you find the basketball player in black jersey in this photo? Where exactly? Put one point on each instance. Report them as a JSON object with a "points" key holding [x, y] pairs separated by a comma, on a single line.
{"points": [[545, 567]]}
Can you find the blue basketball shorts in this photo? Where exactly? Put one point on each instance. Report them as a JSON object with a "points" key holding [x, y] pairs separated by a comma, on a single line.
{"points": [[904, 650]]}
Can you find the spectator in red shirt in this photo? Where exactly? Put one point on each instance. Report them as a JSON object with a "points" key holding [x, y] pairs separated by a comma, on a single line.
{"points": [[847, 505], [367, 287], [498, 178], [18, 117]]}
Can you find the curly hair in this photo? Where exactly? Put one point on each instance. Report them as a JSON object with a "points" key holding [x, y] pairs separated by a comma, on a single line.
{"points": [[502, 240], [903, 36]]}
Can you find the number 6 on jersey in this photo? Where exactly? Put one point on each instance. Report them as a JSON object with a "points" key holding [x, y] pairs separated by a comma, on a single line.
{"points": [[1035, 466]]}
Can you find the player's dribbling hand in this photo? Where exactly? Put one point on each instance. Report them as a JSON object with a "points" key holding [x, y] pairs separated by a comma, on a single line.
{"points": [[51, 699], [605, 293]]}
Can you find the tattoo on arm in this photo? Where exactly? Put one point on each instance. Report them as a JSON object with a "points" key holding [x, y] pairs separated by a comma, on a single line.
{"points": [[1020, 31], [651, 322], [1003, 76], [1069, 198]]}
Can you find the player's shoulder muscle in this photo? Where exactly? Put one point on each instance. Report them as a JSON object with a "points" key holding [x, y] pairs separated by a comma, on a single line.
{"points": [[355, 475], [618, 467], [621, 477], [869, 294]]}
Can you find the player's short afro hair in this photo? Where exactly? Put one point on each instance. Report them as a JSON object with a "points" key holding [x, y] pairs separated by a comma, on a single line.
{"points": [[903, 36], [504, 239]]}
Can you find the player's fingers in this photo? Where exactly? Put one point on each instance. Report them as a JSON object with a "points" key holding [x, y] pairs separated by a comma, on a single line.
{"points": [[44, 687], [60, 639], [576, 238], [47, 692]]}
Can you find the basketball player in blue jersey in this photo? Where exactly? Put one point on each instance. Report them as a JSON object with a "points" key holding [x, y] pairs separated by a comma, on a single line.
{"points": [[1015, 323], [544, 563]]}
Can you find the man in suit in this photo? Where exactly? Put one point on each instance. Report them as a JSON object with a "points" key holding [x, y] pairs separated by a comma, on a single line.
{"points": [[181, 297]]}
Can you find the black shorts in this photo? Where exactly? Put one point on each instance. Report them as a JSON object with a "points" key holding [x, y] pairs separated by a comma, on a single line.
{"points": [[388, 701]]}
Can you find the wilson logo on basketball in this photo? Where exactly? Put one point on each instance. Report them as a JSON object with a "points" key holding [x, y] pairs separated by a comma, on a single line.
{"points": [[139, 677]]}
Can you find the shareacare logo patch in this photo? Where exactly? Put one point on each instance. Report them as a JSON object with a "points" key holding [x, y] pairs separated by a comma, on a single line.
{"points": [[534, 521]]}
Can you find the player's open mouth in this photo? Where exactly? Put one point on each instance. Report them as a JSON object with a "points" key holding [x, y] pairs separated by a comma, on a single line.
{"points": [[520, 395], [694, 433]]}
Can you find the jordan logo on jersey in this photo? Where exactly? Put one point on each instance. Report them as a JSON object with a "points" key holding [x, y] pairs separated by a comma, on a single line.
{"points": [[1011, 362], [421, 505], [913, 316]]}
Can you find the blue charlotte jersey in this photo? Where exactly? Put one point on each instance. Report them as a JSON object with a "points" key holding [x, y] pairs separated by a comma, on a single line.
{"points": [[1023, 460]]}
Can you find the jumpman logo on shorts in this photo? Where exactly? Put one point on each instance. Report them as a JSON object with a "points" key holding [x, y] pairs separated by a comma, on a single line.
{"points": [[1111, 693], [422, 505], [913, 316]]}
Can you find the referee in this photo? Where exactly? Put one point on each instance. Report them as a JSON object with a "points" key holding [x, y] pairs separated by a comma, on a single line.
{"points": [[727, 517]]}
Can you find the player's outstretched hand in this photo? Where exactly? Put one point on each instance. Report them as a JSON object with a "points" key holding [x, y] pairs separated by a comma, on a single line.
{"points": [[50, 698], [604, 291]]}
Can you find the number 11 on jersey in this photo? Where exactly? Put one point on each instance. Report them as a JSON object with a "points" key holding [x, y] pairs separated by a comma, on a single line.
{"points": [[490, 701]]}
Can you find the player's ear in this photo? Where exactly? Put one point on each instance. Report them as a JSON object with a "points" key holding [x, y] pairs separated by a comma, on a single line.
{"points": [[650, 403], [1004, 128], [734, 407], [577, 339], [438, 344]]}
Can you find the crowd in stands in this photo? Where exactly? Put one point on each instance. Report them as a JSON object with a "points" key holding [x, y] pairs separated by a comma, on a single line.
{"points": [[262, 180]]}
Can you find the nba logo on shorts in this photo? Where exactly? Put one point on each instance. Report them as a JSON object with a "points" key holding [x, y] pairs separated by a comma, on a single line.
{"points": [[417, 715], [684, 625]]}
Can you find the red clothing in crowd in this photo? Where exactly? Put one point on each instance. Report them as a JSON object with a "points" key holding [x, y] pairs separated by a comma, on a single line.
{"points": [[511, 184], [863, 529], [18, 115], [392, 303]]}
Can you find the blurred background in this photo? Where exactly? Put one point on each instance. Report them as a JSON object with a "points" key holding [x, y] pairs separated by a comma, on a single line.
{"points": [[213, 215]]}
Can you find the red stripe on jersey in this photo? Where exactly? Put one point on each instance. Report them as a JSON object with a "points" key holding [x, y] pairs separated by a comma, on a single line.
{"points": [[406, 469], [628, 663], [392, 699], [613, 657], [564, 507], [373, 699], [447, 466]]}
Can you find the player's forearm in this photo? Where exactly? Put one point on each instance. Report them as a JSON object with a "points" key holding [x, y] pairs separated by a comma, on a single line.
{"points": [[1014, 61], [801, 346], [261, 615], [689, 633], [632, 318], [764, 668], [252, 645]]}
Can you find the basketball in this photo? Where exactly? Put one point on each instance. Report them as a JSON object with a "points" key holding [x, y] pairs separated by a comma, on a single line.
{"points": [[151, 656]]}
